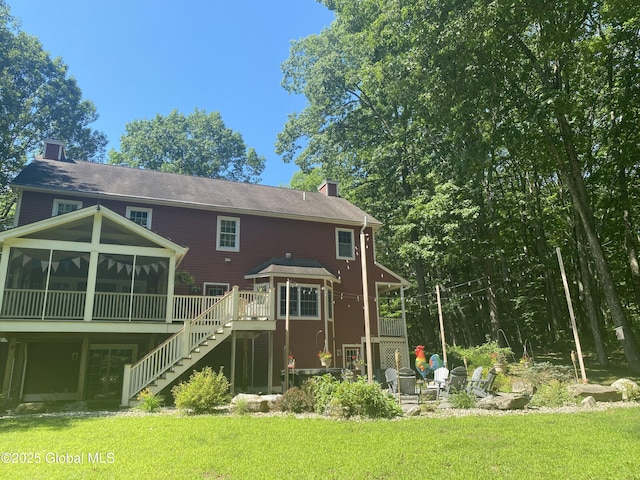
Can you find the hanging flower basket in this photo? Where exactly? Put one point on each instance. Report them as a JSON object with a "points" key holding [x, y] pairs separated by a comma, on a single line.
{"points": [[325, 358]]}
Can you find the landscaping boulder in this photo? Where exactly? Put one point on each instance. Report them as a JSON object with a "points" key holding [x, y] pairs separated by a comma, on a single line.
{"points": [[626, 386], [599, 392], [504, 401], [253, 403], [31, 407], [588, 402], [413, 411]]}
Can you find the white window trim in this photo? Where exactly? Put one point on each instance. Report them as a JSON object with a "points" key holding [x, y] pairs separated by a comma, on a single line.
{"points": [[353, 245], [61, 201], [214, 284], [228, 249], [149, 212], [282, 316]]}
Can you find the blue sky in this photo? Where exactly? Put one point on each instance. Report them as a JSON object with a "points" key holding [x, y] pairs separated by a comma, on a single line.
{"points": [[138, 58]]}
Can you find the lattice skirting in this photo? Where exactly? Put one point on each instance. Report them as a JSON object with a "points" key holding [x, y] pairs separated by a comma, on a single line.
{"points": [[388, 349]]}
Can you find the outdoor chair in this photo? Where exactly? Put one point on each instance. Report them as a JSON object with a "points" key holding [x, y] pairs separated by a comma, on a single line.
{"points": [[391, 377], [483, 389], [475, 379], [407, 379], [457, 380], [440, 377]]}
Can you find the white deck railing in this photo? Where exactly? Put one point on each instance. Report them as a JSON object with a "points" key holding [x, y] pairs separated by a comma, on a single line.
{"points": [[234, 305], [65, 305], [392, 327]]}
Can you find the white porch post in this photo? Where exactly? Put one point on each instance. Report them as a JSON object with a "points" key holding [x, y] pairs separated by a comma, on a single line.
{"points": [[4, 267], [270, 364], [126, 385], [170, 287], [93, 268]]}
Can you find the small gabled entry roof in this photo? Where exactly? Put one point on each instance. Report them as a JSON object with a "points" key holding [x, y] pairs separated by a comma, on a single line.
{"points": [[77, 228], [291, 267]]}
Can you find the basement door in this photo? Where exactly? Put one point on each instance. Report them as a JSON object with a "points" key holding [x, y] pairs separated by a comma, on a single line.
{"points": [[105, 370]]}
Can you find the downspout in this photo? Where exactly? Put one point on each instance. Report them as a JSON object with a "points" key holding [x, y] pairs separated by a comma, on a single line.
{"points": [[365, 294]]}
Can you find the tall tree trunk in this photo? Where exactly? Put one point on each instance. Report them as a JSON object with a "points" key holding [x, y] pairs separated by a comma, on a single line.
{"points": [[630, 235], [572, 175], [585, 286], [544, 256]]}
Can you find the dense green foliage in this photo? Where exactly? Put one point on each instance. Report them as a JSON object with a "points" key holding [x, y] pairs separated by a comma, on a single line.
{"points": [[203, 393], [38, 100], [352, 397], [149, 401], [196, 144], [485, 134]]}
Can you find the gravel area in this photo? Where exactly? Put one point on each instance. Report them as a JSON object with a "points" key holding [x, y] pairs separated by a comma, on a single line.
{"points": [[442, 410]]}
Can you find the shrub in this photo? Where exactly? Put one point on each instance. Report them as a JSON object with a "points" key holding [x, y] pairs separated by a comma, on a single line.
{"points": [[321, 389], [296, 400], [483, 355], [149, 401], [204, 391], [462, 399], [553, 394], [502, 383], [545, 373], [362, 399]]}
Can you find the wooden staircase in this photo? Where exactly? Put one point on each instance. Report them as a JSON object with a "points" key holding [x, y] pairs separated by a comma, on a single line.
{"points": [[178, 353]]}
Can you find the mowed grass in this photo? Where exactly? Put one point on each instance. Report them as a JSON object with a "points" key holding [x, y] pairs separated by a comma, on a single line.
{"points": [[585, 445]]}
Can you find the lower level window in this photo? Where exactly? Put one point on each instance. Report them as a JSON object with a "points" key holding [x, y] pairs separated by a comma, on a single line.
{"points": [[304, 301]]}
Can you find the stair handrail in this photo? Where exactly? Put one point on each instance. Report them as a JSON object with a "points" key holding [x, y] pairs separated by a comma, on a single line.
{"points": [[178, 346]]}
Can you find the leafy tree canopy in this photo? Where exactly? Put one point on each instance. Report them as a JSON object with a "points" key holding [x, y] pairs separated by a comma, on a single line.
{"points": [[38, 100], [197, 144]]}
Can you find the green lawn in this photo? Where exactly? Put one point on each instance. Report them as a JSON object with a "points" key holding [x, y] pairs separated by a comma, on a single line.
{"points": [[586, 445]]}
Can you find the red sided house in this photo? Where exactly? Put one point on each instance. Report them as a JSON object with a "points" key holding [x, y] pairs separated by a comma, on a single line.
{"points": [[114, 279]]}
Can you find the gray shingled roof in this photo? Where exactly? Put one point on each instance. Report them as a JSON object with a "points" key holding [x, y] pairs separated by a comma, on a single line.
{"points": [[87, 178], [299, 267]]}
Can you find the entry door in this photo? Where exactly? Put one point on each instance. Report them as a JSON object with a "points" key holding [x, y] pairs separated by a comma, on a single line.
{"points": [[106, 366]]}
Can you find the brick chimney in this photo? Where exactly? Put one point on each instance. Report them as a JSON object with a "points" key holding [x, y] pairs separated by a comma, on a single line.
{"points": [[53, 150], [329, 188]]}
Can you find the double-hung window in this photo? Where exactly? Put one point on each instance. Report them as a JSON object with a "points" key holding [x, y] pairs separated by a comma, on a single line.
{"points": [[304, 301], [61, 206], [141, 216], [344, 244], [228, 238], [216, 289]]}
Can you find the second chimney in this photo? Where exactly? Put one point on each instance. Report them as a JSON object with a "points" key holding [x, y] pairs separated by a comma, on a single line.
{"points": [[329, 188], [53, 150]]}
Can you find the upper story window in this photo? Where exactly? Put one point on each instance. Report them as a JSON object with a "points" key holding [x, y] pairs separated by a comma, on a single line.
{"points": [[344, 244], [61, 206], [228, 238], [141, 216]]}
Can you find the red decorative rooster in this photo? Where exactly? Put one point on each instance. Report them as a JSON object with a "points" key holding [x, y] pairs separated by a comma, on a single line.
{"points": [[421, 362]]}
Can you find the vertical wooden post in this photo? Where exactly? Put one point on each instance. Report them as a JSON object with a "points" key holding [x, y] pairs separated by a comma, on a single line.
{"points": [[8, 369], [572, 316], [365, 294], [233, 361], [286, 338], [444, 345], [82, 374]]}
